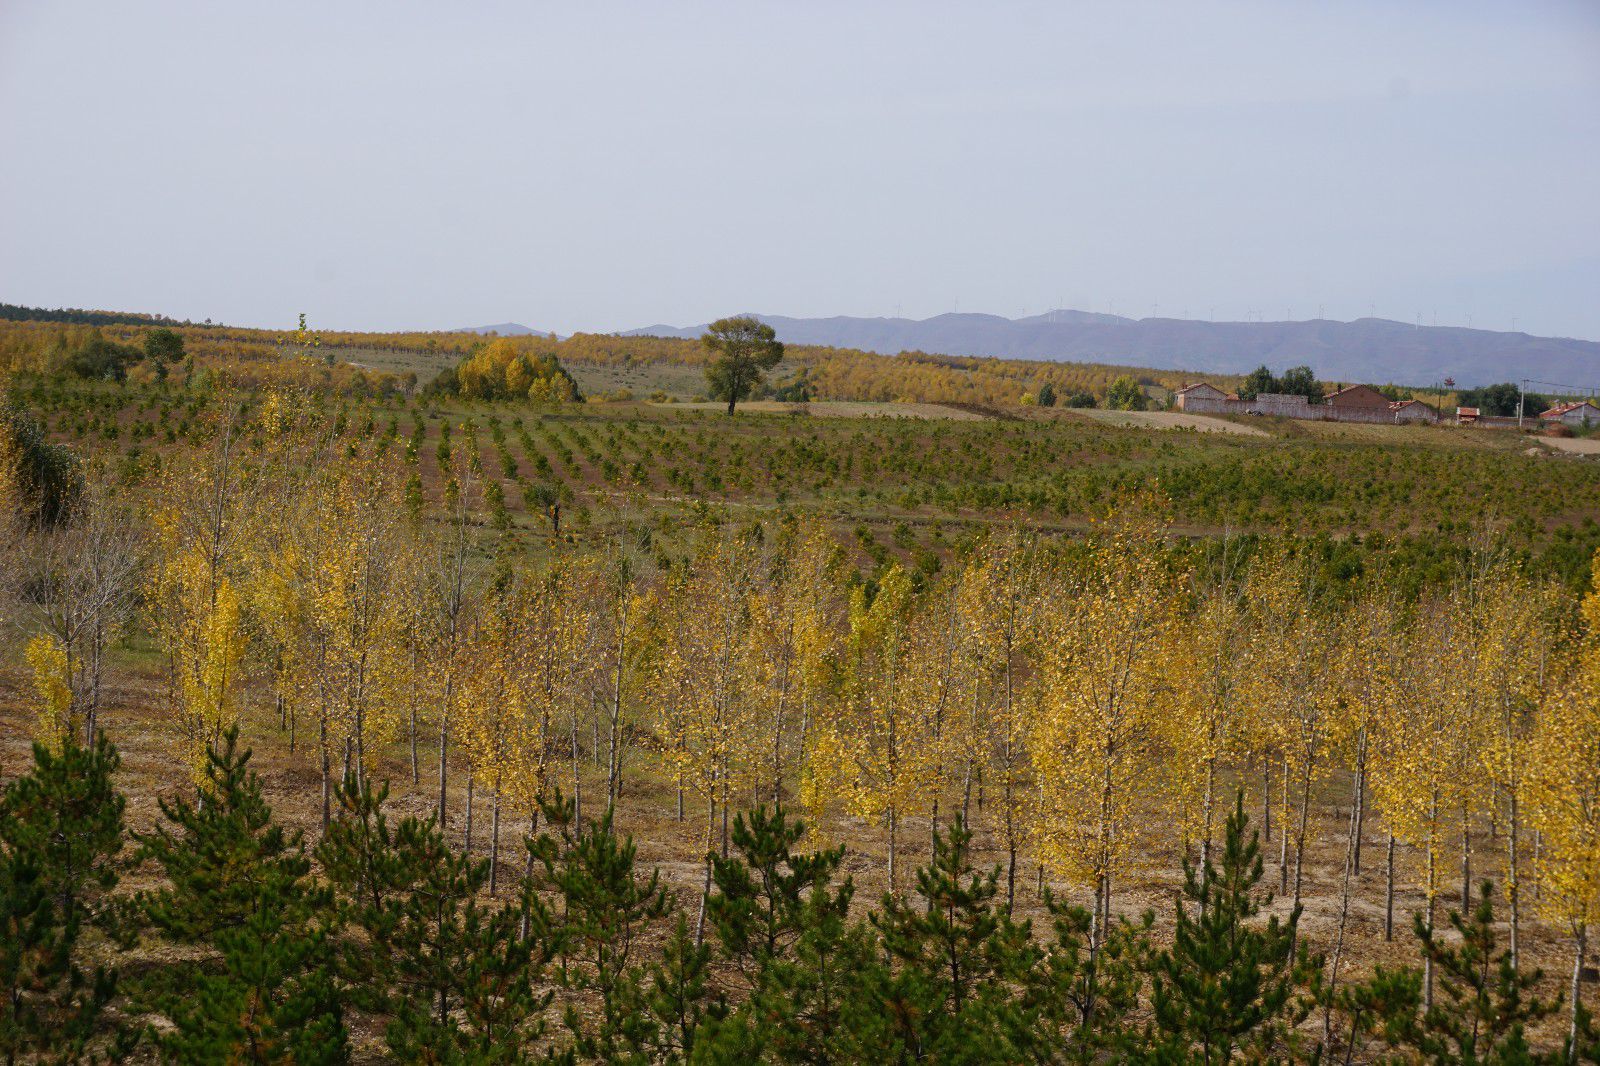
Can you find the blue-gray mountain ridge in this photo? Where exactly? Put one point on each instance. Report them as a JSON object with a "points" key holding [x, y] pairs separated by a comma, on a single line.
{"points": [[1368, 350]]}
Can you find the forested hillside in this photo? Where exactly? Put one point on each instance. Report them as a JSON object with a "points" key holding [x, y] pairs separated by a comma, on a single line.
{"points": [[365, 361]]}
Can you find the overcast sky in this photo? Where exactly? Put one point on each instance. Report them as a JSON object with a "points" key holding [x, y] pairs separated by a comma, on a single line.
{"points": [[603, 166]]}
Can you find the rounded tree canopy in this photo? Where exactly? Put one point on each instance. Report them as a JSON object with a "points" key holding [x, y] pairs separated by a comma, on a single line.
{"points": [[744, 348]]}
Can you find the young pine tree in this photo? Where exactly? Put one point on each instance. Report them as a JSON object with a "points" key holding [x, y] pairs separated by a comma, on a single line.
{"points": [[1225, 985], [759, 907], [607, 907], [957, 959], [678, 997], [1082, 1002], [810, 999], [239, 885], [1487, 1005], [60, 833], [456, 978]]}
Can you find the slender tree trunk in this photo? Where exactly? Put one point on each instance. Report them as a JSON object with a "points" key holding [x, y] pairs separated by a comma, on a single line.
{"points": [[1300, 849], [1266, 800], [1538, 851], [1427, 960], [577, 779], [444, 724], [1433, 893], [1466, 866], [1205, 810], [1579, 940], [1360, 801], [778, 712], [327, 773], [1096, 934], [1388, 893], [805, 723], [725, 806], [466, 847], [1351, 846], [494, 842], [1011, 873], [527, 862], [411, 716], [1102, 858], [1513, 879], [1283, 837], [444, 768], [705, 889], [416, 767], [1010, 822], [892, 828], [614, 733]]}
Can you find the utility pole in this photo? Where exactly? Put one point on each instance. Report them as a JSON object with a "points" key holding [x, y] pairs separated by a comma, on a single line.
{"points": [[1522, 390]]}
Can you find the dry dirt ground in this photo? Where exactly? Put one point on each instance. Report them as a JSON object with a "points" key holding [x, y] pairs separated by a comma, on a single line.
{"points": [[1573, 445], [1171, 420], [145, 736]]}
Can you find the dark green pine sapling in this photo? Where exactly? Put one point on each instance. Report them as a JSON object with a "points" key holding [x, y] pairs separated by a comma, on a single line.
{"points": [[239, 885], [455, 975], [1228, 984], [60, 835]]}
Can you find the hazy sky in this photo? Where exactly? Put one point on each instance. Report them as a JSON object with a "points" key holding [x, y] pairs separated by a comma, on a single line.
{"points": [[602, 166]]}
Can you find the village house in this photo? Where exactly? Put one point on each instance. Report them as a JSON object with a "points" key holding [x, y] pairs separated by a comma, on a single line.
{"points": [[1358, 397], [1284, 405], [1353, 403], [1466, 416], [1204, 398], [1413, 411], [1578, 414]]}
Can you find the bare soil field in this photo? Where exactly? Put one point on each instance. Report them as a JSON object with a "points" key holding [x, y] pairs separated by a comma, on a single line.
{"points": [[1573, 445], [1172, 420]]}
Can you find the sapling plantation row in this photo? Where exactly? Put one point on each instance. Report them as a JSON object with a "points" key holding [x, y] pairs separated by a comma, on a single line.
{"points": [[1075, 712]]}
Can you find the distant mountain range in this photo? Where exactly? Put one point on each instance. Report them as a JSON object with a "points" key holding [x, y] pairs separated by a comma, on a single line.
{"points": [[505, 329], [1371, 350]]}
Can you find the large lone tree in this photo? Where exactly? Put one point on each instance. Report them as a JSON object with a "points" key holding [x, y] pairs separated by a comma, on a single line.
{"points": [[744, 348]]}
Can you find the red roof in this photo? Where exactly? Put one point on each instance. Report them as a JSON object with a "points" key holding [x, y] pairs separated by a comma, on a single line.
{"points": [[1353, 391], [1562, 408]]}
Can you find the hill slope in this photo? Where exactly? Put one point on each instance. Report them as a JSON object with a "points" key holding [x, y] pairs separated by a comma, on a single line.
{"points": [[505, 329], [1368, 349]]}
